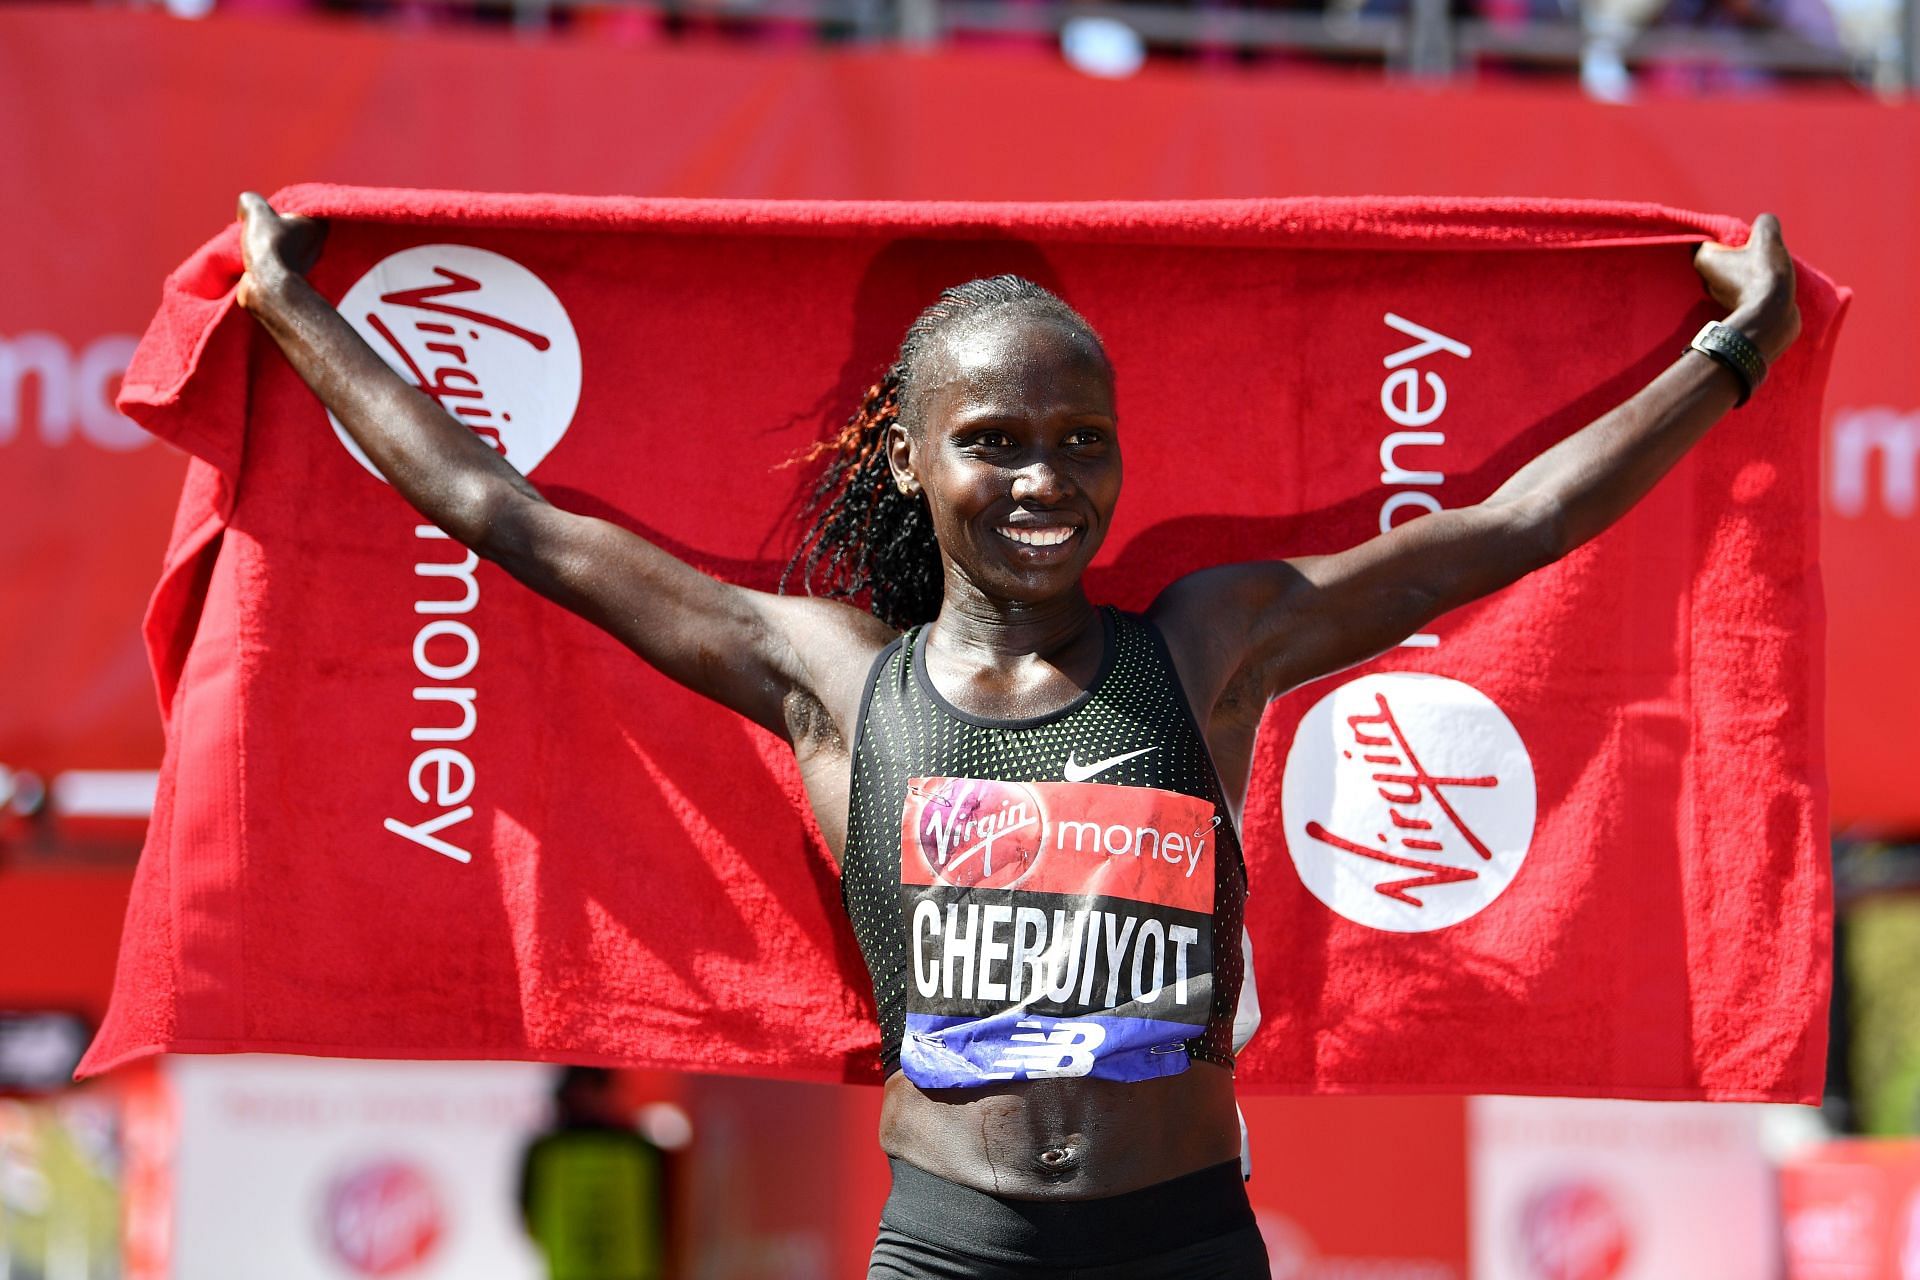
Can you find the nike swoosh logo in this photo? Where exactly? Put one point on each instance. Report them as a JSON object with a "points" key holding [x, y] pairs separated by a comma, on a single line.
{"points": [[1074, 772]]}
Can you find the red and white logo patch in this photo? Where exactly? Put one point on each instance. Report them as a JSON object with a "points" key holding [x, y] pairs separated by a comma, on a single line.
{"points": [[978, 834], [1573, 1231], [1409, 801], [1081, 838], [479, 333], [383, 1218]]}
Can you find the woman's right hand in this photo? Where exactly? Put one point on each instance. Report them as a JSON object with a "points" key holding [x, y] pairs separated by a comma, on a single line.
{"points": [[1755, 283], [273, 247]]}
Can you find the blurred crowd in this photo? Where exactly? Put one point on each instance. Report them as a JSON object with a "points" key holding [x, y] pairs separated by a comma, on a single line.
{"points": [[1617, 48]]}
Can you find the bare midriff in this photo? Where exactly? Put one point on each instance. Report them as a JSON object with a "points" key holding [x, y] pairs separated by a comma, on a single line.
{"points": [[1064, 1139]]}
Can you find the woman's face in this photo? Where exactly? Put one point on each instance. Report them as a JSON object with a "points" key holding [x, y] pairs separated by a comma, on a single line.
{"points": [[1016, 452]]}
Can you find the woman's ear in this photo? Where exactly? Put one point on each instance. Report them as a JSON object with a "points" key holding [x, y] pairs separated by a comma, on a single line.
{"points": [[900, 459]]}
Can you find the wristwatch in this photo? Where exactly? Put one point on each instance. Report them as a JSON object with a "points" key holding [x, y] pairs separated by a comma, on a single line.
{"points": [[1735, 350]]}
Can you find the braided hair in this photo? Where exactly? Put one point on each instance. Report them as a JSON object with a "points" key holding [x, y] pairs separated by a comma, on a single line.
{"points": [[867, 542]]}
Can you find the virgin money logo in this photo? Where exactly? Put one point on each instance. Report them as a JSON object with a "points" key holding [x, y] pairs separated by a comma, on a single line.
{"points": [[480, 334], [382, 1219], [1573, 1231], [983, 834], [1409, 801]]}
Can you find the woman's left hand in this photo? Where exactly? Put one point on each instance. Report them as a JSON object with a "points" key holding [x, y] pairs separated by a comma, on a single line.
{"points": [[1755, 283]]}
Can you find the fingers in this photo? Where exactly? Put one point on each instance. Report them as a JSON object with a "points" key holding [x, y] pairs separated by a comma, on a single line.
{"points": [[1765, 238], [252, 205], [1765, 232], [305, 237]]}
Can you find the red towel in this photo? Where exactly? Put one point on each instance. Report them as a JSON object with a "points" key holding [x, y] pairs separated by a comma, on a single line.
{"points": [[410, 809]]}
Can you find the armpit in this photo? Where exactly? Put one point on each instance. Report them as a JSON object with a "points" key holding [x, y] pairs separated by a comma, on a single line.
{"points": [[1243, 700], [809, 726]]}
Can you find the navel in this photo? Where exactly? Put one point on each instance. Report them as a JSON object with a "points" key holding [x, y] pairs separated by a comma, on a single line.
{"points": [[1057, 1162]]}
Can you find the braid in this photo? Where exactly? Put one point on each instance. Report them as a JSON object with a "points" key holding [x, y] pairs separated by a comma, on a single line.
{"points": [[867, 538], [868, 542]]}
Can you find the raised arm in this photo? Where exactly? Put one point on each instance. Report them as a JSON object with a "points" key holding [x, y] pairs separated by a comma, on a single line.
{"points": [[775, 659], [1265, 628]]}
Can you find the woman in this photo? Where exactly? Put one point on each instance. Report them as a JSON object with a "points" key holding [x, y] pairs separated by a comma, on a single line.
{"points": [[1039, 1123]]}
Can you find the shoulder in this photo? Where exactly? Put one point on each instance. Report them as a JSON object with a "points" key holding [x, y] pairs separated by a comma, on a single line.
{"points": [[831, 647], [1216, 612], [1218, 621], [834, 628]]}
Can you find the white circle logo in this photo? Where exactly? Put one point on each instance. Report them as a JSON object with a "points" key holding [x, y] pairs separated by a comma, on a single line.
{"points": [[1408, 801], [480, 334], [384, 1218]]}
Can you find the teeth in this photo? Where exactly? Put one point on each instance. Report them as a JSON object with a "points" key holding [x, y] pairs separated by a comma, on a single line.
{"points": [[1052, 537]]}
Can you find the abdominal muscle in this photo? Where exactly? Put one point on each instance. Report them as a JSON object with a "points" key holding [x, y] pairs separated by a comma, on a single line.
{"points": [[1064, 1139]]}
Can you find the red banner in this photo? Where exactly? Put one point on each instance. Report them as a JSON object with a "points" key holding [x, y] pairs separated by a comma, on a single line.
{"points": [[103, 118], [494, 834], [124, 136], [104, 126]]}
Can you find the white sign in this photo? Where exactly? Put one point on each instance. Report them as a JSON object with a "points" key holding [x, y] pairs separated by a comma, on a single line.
{"points": [[338, 1170], [1596, 1189]]}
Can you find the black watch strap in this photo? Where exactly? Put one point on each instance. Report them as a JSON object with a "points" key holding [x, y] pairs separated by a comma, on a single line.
{"points": [[1736, 351]]}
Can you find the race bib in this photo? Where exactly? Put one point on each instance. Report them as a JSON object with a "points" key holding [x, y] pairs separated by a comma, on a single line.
{"points": [[1054, 929]]}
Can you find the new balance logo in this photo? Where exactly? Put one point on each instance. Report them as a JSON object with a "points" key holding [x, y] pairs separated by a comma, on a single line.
{"points": [[1041, 1054]]}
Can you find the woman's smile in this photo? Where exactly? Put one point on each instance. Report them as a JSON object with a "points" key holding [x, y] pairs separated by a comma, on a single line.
{"points": [[1041, 544], [1038, 536]]}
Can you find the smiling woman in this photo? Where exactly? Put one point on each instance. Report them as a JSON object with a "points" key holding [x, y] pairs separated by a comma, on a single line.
{"points": [[1034, 800], [969, 361], [1025, 397]]}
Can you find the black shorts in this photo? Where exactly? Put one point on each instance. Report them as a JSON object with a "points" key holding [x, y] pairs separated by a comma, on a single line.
{"points": [[1197, 1227]]}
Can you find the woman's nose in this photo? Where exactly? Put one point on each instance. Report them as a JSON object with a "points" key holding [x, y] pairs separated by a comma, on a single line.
{"points": [[1039, 481]]}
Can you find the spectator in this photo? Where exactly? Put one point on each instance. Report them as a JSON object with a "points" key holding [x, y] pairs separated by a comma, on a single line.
{"points": [[592, 1190]]}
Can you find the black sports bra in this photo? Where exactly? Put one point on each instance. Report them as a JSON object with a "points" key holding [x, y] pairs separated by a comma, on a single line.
{"points": [[1056, 896]]}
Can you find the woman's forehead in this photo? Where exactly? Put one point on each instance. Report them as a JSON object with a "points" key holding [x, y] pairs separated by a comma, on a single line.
{"points": [[1009, 352]]}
